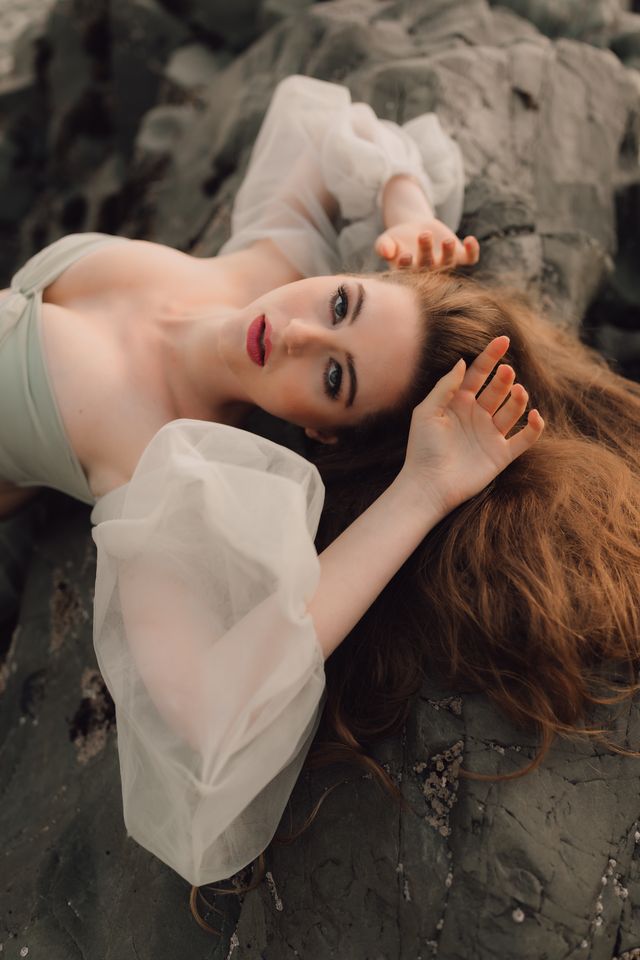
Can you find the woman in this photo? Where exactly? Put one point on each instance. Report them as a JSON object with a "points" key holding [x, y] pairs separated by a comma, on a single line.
{"points": [[213, 613]]}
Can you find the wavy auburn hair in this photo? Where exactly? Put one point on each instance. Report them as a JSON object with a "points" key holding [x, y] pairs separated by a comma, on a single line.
{"points": [[528, 590]]}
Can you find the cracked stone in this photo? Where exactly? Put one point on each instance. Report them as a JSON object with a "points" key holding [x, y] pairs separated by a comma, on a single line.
{"points": [[439, 776], [550, 132]]}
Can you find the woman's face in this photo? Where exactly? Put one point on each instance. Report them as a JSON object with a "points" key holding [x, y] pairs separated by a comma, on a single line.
{"points": [[325, 351]]}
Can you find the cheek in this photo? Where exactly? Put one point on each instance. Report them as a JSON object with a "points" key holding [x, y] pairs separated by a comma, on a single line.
{"points": [[295, 389]]}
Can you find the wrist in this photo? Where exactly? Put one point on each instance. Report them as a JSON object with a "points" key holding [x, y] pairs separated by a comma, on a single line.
{"points": [[403, 198], [419, 498]]}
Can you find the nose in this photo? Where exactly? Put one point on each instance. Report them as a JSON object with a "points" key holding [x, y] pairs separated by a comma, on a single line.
{"points": [[300, 336]]}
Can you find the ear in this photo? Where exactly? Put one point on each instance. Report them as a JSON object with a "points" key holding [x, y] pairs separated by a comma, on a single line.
{"points": [[320, 435]]}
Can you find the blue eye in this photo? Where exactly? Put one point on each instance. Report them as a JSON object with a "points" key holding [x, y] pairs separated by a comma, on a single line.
{"points": [[339, 300], [332, 379]]}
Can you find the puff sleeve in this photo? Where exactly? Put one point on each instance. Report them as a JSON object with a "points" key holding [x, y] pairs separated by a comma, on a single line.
{"points": [[205, 563], [353, 154]]}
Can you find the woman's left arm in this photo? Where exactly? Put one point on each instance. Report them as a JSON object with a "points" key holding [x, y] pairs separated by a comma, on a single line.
{"points": [[413, 233], [318, 155]]}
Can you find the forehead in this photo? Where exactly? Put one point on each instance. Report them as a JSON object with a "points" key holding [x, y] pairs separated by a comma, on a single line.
{"points": [[386, 342]]}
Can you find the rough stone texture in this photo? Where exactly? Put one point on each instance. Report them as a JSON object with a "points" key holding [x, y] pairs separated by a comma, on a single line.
{"points": [[20, 20], [73, 885], [545, 102]]}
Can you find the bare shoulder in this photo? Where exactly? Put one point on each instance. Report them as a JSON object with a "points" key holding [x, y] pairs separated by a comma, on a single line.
{"points": [[138, 266], [118, 268]]}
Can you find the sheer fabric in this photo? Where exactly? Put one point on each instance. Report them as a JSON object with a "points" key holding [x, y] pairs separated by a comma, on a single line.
{"points": [[312, 125], [205, 563], [206, 557]]}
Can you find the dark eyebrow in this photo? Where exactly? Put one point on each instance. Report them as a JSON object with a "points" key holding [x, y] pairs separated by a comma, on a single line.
{"points": [[353, 385], [358, 306]]}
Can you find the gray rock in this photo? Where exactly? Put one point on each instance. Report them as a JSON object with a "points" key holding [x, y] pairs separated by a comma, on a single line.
{"points": [[192, 72], [550, 131], [73, 884], [142, 37], [592, 21], [234, 25]]}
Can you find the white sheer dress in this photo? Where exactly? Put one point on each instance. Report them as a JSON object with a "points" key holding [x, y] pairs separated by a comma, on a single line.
{"points": [[206, 558]]}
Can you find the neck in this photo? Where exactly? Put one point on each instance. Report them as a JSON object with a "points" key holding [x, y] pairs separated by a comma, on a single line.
{"points": [[199, 381]]}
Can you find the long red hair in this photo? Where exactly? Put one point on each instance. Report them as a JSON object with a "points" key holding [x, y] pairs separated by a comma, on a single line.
{"points": [[529, 591]]}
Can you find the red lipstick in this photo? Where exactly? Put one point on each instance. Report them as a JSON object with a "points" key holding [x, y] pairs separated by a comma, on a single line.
{"points": [[254, 333], [259, 340], [267, 339]]}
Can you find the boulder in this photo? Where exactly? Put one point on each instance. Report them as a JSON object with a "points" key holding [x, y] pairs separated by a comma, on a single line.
{"points": [[544, 104]]}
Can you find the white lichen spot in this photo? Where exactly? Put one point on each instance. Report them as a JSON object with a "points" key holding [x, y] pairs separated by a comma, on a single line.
{"points": [[636, 836], [584, 944], [448, 879], [440, 923], [612, 864], [597, 922], [603, 881], [272, 887], [400, 867], [619, 890], [440, 785], [24, 951], [405, 891], [518, 915], [233, 943], [599, 907]]}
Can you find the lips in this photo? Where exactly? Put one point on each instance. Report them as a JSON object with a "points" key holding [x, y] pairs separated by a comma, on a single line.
{"points": [[259, 340]]}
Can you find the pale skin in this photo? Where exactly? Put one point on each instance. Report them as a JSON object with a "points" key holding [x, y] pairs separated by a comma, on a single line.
{"points": [[457, 443]]}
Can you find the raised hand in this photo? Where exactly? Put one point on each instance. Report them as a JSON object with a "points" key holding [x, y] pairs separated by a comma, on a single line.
{"points": [[458, 441], [429, 244]]}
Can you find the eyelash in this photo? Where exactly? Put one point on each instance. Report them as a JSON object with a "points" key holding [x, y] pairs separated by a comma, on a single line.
{"points": [[340, 294]]}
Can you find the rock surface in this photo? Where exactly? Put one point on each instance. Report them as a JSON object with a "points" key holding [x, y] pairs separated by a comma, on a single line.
{"points": [[545, 105]]}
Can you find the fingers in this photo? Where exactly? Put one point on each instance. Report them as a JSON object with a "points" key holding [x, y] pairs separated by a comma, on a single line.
{"points": [[509, 414], [389, 249], [526, 437], [427, 255], [386, 247], [452, 252], [448, 254], [494, 395], [437, 401], [471, 249], [484, 363]]}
